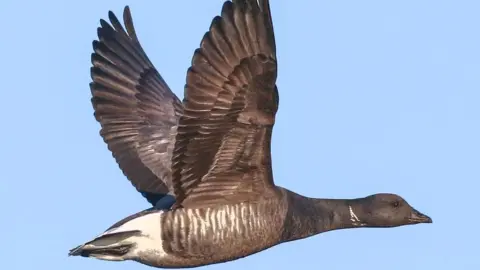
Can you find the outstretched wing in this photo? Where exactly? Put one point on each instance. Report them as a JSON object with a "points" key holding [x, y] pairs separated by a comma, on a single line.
{"points": [[222, 149], [137, 110]]}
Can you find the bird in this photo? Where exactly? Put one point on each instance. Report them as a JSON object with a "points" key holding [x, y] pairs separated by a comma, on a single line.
{"points": [[204, 163]]}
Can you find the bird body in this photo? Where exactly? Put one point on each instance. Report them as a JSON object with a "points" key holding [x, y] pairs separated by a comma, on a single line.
{"points": [[205, 163], [187, 237]]}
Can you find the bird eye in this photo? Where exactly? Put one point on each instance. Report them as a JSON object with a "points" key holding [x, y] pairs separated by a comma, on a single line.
{"points": [[395, 204]]}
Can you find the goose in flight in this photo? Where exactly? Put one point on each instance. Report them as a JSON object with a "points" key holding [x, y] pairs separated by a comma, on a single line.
{"points": [[205, 163]]}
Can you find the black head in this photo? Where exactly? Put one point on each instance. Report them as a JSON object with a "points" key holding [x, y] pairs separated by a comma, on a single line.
{"points": [[385, 210]]}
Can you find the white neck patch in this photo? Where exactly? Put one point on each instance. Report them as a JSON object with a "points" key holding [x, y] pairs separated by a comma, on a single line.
{"points": [[355, 220]]}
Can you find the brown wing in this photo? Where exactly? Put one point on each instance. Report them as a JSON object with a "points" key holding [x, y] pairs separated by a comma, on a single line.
{"points": [[135, 107], [222, 149]]}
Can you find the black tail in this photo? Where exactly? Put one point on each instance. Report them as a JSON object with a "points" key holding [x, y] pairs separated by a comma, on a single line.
{"points": [[104, 245], [116, 251]]}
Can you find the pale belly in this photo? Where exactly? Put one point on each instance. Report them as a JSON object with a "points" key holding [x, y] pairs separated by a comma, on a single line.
{"points": [[195, 237]]}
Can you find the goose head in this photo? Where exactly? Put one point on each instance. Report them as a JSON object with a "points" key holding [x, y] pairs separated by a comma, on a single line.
{"points": [[385, 210]]}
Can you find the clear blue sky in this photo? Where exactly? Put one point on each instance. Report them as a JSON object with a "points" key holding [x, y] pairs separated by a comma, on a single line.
{"points": [[375, 96]]}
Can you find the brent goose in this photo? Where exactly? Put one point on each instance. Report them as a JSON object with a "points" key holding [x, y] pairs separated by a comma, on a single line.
{"points": [[205, 164]]}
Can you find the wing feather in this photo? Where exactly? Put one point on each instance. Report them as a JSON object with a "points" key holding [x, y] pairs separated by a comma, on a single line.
{"points": [[222, 148], [137, 110]]}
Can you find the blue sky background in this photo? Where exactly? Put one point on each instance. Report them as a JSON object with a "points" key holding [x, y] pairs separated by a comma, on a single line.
{"points": [[375, 96]]}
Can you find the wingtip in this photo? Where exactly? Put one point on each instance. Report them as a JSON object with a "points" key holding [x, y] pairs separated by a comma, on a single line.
{"points": [[126, 12], [111, 15]]}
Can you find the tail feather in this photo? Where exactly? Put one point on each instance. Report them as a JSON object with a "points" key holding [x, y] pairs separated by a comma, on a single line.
{"points": [[110, 244]]}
